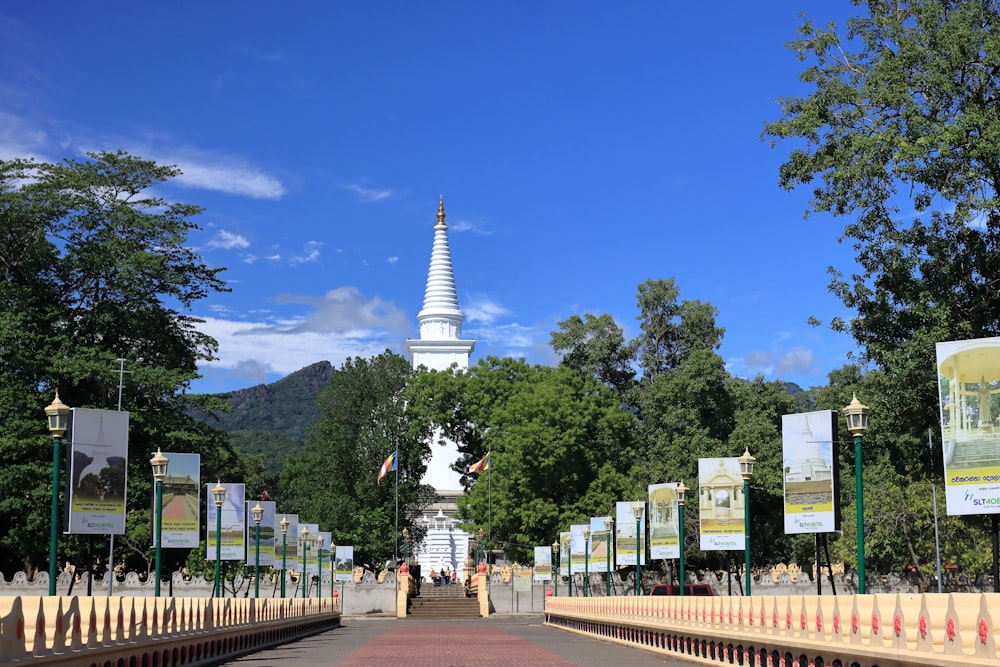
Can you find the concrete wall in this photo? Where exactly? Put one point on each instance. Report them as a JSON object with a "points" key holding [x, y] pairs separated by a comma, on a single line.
{"points": [[366, 597]]}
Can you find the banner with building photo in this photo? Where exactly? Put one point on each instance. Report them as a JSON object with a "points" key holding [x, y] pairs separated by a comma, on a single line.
{"points": [[969, 387], [344, 562], [181, 500], [233, 523], [564, 542], [600, 543], [811, 472], [267, 531], [664, 538], [97, 472], [721, 504], [290, 545], [543, 563], [625, 537], [325, 562], [312, 566], [577, 548]]}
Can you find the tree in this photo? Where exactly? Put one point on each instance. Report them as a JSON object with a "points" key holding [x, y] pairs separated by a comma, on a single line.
{"points": [[559, 446], [333, 479], [94, 269], [596, 346], [899, 132], [672, 331]]}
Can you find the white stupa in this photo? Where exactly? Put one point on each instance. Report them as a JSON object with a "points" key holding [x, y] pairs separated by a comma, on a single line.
{"points": [[808, 464], [440, 346]]}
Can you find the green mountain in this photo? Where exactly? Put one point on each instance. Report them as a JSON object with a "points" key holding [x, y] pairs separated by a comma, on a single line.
{"points": [[272, 419]]}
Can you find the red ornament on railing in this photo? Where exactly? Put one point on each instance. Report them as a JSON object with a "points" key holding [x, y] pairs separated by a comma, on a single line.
{"points": [[875, 624], [950, 629], [922, 627], [819, 622], [897, 624], [984, 630], [854, 624]]}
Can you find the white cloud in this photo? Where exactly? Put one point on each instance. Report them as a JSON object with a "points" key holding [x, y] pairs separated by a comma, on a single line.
{"points": [[369, 194], [481, 309], [223, 174], [21, 139], [228, 240], [310, 253], [266, 347], [796, 360], [392, 260]]}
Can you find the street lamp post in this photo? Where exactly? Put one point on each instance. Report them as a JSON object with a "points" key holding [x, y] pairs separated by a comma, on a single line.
{"points": [[219, 494], [681, 500], [258, 514], [304, 537], [637, 510], [58, 415], [159, 464], [746, 470], [319, 567], [586, 561], [555, 565], [610, 524], [406, 546], [856, 414], [284, 548]]}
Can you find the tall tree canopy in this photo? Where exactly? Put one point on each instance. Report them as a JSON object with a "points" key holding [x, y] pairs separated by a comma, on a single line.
{"points": [[559, 446], [899, 132], [333, 481], [94, 268]]}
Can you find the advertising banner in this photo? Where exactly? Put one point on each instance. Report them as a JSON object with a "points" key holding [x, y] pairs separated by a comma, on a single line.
{"points": [[577, 548], [312, 566], [600, 543], [811, 472], [344, 559], [969, 384], [233, 523], [181, 501], [543, 563], [720, 500], [564, 541], [291, 543], [97, 472], [267, 530], [664, 536], [325, 562], [625, 538]]}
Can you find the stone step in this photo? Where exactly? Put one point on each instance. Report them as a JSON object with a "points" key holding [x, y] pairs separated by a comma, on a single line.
{"points": [[444, 608]]}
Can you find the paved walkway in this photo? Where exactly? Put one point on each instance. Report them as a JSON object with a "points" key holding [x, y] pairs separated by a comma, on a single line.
{"points": [[520, 641]]}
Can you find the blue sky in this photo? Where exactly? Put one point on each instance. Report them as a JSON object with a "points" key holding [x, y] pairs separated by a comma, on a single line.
{"points": [[581, 148]]}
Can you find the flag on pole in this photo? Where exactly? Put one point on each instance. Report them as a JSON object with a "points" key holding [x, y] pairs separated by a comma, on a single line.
{"points": [[390, 464], [481, 465]]}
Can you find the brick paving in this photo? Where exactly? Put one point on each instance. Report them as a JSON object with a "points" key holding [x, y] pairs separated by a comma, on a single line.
{"points": [[496, 642]]}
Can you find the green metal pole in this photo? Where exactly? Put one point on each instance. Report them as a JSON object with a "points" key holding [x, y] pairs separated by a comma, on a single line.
{"points": [[680, 538], [860, 502], [586, 570], [746, 531], [218, 550], [256, 564], [638, 560], [53, 532], [608, 580], [555, 571], [284, 549], [159, 533], [305, 568], [319, 570]]}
